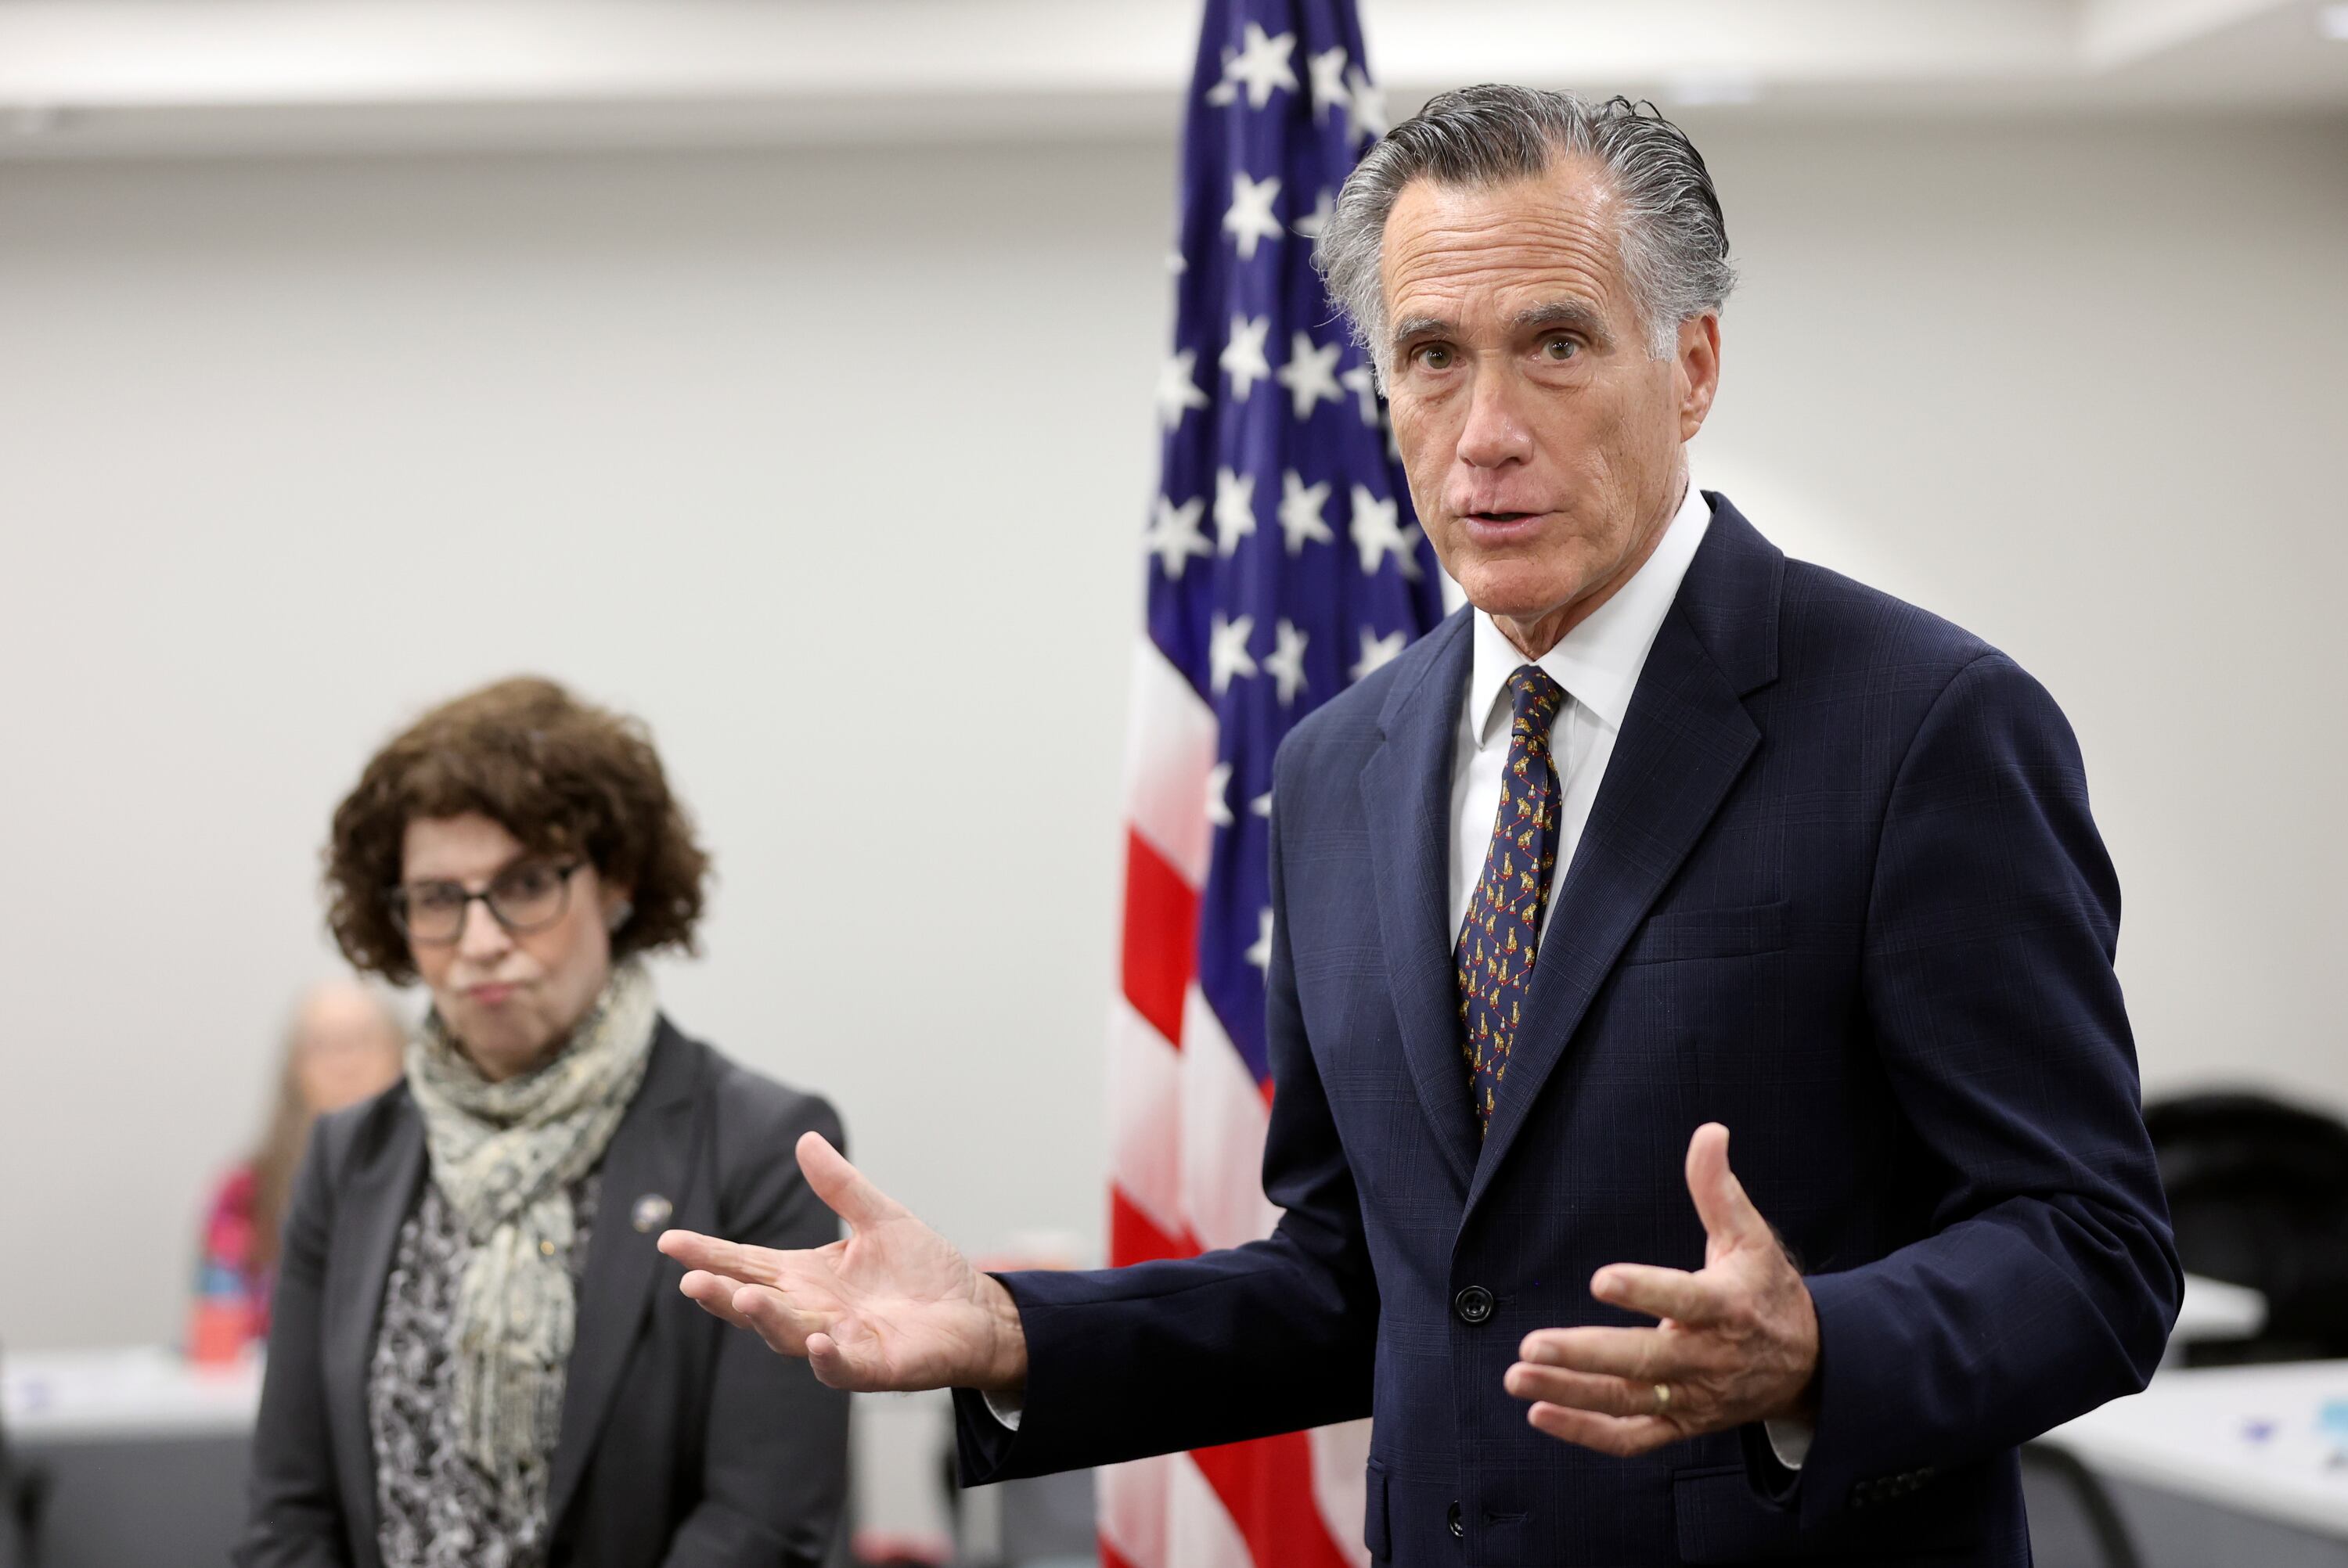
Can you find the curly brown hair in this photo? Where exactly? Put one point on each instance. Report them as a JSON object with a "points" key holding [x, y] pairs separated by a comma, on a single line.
{"points": [[563, 776]]}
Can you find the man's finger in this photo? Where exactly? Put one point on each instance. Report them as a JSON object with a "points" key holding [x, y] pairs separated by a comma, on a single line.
{"points": [[714, 1294], [1618, 1435], [832, 1367], [1728, 1215], [1671, 1293], [1580, 1390], [1640, 1355], [845, 1189], [769, 1314], [718, 1255]]}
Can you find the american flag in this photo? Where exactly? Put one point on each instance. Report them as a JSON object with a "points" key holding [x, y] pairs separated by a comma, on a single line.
{"points": [[1284, 562]]}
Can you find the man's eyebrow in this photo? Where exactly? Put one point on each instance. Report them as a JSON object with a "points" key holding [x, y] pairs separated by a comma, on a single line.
{"points": [[1580, 314], [1410, 327]]}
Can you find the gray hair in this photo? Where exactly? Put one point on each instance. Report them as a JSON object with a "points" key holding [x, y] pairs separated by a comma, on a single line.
{"points": [[1672, 241]]}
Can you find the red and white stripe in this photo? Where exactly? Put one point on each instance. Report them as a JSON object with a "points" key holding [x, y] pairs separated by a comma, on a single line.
{"points": [[1187, 1121]]}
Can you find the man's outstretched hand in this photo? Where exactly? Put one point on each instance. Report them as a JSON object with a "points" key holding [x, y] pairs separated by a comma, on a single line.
{"points": [[894, 1307], [1738, 1341]]}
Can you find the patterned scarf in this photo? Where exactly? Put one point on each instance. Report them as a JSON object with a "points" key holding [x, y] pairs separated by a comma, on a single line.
{"points": [[504, 1156]]}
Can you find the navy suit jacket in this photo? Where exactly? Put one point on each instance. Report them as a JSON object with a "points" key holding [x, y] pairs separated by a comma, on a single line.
{"points": [[1840, 891]]}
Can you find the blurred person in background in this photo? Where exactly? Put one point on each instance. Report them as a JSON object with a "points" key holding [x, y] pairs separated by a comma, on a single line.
{"points": [[476, 1357], [343, 1045]]}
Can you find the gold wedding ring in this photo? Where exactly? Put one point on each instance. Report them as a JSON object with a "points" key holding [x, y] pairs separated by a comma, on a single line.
{"points": [[1662, 1398]]}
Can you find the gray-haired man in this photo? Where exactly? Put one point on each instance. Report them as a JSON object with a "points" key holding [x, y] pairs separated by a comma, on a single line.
{"points": [[1663, 833]]}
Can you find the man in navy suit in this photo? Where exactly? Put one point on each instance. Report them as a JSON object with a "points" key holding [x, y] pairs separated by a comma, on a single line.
{"points": [[1664, 835]]}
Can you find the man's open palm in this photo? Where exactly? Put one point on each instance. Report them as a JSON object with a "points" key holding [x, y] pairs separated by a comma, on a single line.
{"points": [[1737, 1340], [894, 1307]]}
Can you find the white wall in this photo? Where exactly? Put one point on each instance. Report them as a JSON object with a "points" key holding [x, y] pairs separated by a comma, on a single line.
{"points": [[832, 464]]}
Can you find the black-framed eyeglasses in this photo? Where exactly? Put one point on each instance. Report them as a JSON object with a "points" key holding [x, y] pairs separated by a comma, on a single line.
{"points": [[524, 897]]}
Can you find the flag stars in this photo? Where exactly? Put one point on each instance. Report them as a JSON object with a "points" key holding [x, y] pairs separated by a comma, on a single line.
{"points": [[1377, 532], [1248, 218], [1243, 356], [1309, 375], [1324, 207], [1285, 664], [1234, 509], [1259, 955], [1227, 651], [1367, 104], [1177, 388], [1261, 65], [1300, 513], [1329, 90], [1218, 794], [1174, 537], [1378, 651]]}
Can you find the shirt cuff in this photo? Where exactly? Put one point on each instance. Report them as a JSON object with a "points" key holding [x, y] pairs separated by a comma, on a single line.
{"points": [[1789, 1440], [1008, 1410]]}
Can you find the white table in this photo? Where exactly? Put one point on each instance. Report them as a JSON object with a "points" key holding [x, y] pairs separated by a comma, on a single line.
{"points": [[2220, 1466], [145, 1391], [2215, 1310], [2251, 1438], [144, 1455]]}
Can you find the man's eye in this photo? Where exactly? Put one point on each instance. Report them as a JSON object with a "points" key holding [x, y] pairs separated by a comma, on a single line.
{"points": [[1559, 349], [1435, 356]]}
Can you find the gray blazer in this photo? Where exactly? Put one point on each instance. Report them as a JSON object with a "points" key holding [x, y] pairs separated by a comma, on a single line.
{"points": [[684, 1443]]}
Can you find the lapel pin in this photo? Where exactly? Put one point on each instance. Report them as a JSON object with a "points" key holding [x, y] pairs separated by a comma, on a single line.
{"points": [[651, 1211]]}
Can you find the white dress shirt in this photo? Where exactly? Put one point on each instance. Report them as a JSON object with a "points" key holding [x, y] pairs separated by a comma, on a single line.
{"points": [[1597, 664]]}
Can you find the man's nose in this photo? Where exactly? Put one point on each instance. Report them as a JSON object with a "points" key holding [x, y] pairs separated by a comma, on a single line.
{"points": [[1496, 434]]}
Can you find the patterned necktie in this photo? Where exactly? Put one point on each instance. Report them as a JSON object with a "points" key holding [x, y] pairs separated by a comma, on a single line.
{"points": [[1502, 931]]}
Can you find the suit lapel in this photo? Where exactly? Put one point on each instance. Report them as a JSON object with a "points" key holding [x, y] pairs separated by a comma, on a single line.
{"points": [[376, 1202], [648, 1158], [1684, 741], [1407, 796]]}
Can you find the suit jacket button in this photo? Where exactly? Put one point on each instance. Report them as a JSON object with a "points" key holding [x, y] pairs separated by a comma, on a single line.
{"points": [[1474, 1304], [1458, 1526]]}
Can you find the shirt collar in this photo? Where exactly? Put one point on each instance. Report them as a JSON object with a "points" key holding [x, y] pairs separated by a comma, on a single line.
{"points": [[1597, 662]]}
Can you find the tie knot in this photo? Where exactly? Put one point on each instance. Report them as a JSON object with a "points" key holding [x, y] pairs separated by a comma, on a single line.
{"points": [[1535, 697]]}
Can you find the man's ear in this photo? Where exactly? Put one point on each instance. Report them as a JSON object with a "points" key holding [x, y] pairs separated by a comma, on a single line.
{"points": [[1697, 366]]}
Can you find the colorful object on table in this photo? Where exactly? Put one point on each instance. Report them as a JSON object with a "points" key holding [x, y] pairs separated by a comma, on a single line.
{"points": [[2331, 1420], [230, 1309]]}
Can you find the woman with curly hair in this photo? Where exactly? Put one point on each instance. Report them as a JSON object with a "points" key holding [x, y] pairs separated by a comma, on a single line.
{"points": [[476, 1357]]}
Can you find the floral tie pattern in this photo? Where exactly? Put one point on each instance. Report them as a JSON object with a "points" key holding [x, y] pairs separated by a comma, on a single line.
{"points": [[1502, 931]]}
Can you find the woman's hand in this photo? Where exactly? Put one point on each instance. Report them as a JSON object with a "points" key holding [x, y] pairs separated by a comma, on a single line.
{"points": [[894, 1307]]}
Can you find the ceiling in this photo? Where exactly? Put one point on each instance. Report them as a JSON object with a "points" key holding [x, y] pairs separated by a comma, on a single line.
{"points": [[80, 78]]}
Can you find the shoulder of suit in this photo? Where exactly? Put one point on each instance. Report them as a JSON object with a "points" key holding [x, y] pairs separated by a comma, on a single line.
{"points": [[766, 1110], [339, 1137], [1824, 612]]}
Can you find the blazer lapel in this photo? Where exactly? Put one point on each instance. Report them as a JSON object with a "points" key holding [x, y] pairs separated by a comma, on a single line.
{"points": [[375, 1204], [1406, 798], [648, 1158], [1684, 741]]}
